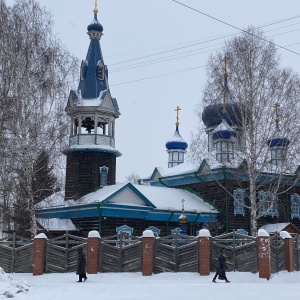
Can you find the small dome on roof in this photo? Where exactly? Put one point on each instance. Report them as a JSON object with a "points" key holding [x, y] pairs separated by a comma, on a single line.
{"points": [[223, 131], [212, 114], [95, 25], [176, 142]]}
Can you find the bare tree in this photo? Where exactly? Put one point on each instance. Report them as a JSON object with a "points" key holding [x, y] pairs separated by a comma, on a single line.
{"points": [[257, 82], [35, 76], [133, 178]]}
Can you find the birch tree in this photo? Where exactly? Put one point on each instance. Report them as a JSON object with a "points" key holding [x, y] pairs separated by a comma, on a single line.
{"points": [[36, 73], [257, 82]]}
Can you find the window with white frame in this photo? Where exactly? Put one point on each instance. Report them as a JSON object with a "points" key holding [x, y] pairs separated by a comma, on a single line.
{"points": [[224, 151], [295, 206], [239, 202], [103, 176], [268, 203]]}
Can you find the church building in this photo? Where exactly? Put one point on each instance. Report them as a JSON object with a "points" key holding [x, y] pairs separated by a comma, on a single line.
{"points": [[93, 200], [184, 198]]}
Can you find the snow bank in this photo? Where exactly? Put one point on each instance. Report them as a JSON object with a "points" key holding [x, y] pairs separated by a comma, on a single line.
{"points": [[9, 287]]}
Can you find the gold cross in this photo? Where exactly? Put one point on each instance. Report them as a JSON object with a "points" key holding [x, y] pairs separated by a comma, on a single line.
{"points": [[225, 77], [225, 65], [177, 117], [96, 8], [182, 204], [276, 105]]}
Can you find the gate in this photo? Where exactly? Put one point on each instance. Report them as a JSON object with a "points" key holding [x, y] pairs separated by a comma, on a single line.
{"points": [[277, 253], [176, 253], [120, 253], [240, 251], [61, 253], [16, 254], [296, 252]]}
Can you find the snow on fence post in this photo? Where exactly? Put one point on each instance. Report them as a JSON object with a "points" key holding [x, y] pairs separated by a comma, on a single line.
{"points": [[147, 252], [288, 245], [264, 254], [204, 242], [39, 244], [93, 252]]}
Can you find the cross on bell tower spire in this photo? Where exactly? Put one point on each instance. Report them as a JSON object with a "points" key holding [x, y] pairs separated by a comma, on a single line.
{"points": [[177, 115], [225, 83], [95, 10]]}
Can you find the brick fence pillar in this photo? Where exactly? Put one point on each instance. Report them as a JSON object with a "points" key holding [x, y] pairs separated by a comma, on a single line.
{"points": [[39, 244], [93, 252], [147, 252], [264, 254], [204, 242], [288, 245]]}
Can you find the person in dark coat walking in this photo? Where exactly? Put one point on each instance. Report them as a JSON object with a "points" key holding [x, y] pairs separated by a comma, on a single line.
{"points": [[81, 265], [221, 270]]}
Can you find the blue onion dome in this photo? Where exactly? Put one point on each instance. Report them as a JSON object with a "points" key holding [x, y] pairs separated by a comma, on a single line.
{"points": [[223, 131], [212, 114], [95, 25], [176, 141]]}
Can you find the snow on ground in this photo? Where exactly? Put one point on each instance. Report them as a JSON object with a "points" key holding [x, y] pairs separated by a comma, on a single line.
{"points": [[164, 286]]}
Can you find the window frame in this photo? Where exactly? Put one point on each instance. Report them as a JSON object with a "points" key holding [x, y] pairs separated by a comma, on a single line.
{"points": [[239, 208], [265, 203], [295, 197], [101, 173]]}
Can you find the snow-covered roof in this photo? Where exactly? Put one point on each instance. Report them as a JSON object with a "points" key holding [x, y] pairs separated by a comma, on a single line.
{"points": [[159, 197], [166, 198], [55, 224], [272, 228]]}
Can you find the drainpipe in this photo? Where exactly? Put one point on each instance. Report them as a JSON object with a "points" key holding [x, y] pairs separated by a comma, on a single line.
{"points": [[171, 216], [194, 222], [100, 217]]}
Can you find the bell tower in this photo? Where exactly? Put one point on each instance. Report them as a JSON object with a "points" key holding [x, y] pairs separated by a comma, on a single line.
{"points": [[91, 154]]}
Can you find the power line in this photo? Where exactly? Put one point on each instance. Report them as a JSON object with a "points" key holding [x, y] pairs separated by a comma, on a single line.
{"points": [[180, 55], [244, 31], [171, 45], [171, 73], [192, 45], [145, 78]]}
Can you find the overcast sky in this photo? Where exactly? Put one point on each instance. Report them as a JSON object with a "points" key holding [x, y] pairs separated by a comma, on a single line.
{"points": [[136, 31]]}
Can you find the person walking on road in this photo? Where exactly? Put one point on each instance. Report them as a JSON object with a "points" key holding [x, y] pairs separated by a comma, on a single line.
{"points": [[81, 265], [221, 270]]}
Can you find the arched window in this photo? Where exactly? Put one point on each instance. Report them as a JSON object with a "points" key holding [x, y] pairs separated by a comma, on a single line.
{"points": [[239, 202], [100, 70], [103, 176], [83, 69]]}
